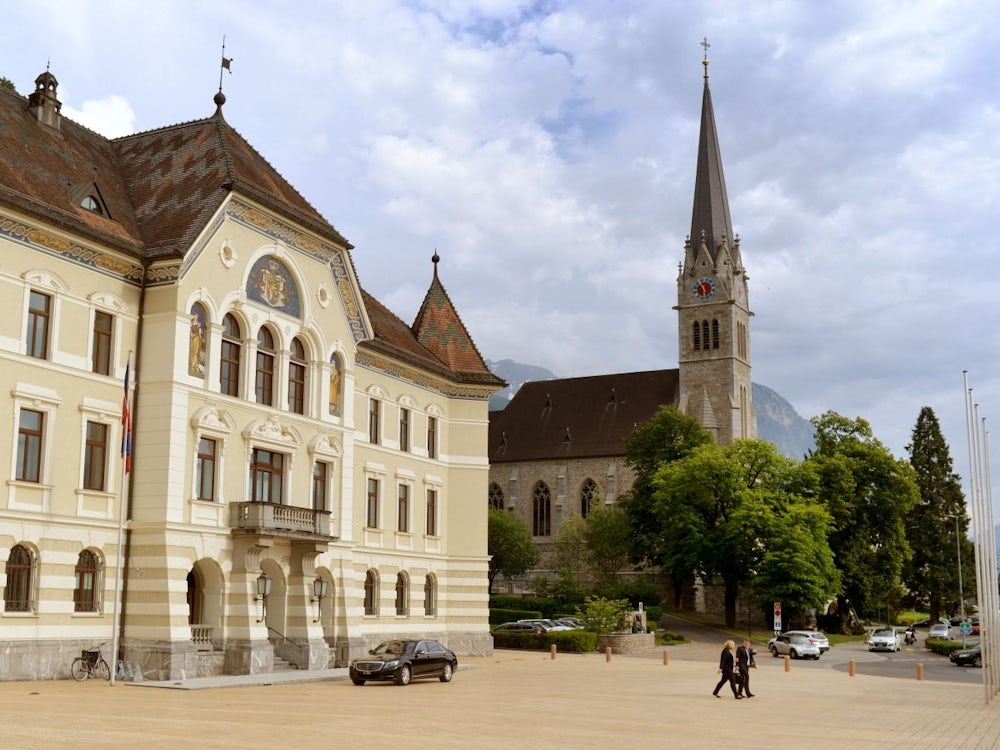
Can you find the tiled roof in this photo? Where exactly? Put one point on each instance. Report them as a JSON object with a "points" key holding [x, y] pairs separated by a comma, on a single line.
{"points": [[578, 417], [178, 177], [439, 328]]}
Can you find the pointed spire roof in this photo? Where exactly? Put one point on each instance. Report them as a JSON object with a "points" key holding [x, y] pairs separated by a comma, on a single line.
{"points": [[711, 204], [441, 331]]}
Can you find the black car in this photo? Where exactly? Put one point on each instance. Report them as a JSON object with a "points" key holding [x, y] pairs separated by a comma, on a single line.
{"points": [[402, 661], [966, 656]]}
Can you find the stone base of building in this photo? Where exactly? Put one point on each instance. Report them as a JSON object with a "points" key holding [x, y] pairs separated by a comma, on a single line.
{"points": [[42, 659]]}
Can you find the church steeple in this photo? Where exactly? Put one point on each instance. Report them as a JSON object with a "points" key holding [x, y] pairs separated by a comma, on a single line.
{"points": [[710, 214], [713, 309]]}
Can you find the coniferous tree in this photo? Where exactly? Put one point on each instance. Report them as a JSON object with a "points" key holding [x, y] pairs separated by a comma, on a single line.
{"points": [[932, 530]]}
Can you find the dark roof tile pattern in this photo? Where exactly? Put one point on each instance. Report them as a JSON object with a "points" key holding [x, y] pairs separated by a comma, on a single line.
{"points": [[710, 212], [583, 417], [439, 328]]}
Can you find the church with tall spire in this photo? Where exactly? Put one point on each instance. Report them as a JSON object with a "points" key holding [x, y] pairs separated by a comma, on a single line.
{"points": [[559, 445]]}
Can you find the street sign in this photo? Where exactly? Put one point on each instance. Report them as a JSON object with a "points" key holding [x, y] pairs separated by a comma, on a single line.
{"points": [[965, 628], [777, 617]]}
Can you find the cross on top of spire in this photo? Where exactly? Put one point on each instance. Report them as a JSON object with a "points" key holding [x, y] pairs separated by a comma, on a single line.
{"points": [[705, 45]]}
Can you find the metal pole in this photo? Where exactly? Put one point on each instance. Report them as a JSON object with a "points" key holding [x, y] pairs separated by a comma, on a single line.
{"points": [[120, 563]]}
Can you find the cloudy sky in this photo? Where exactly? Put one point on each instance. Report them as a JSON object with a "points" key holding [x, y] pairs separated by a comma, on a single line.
{"points": [[546, 149]]}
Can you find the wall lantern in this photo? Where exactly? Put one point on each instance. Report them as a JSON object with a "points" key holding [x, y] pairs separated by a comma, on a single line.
{"points": [[319, 591], [263, 591]]}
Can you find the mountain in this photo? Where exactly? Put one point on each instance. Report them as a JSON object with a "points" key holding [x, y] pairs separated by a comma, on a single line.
{"points": [[777, 420]]}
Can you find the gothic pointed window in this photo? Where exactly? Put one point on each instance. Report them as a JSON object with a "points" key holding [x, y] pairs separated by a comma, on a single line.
{"points": [[541, 510], [496, 496], [587, 493], [704, 334]]}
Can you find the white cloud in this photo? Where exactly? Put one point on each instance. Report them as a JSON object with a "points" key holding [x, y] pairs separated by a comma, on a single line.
{"points": [[112, 116]]}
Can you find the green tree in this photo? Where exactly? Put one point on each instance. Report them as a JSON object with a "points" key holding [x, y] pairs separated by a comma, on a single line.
{"points": [[940, 515], [666, 437], [869, 494], [570, 547], [719, 509], [608, 540], [6, 83], [512, 550]]}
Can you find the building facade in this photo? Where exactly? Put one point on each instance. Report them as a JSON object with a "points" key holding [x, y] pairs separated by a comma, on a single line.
{"points": [[209, 415], [560, 443]]}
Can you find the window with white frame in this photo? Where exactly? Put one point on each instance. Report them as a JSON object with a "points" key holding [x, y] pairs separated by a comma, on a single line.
{"points": [[297, 377], [432, 428], [95, 457], [432, 512], [231, 355], [404, 429], [371, 508], [403, 508], [206, 466], [430, 595], [87, 592], [264, 372], [100, 348], [402, 594], [39, 325], [371, 593], [320, 477], [267, 476], [30, 439], [374, 420]]}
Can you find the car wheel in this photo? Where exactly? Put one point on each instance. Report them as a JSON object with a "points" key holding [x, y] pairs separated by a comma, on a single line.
{"points": [[447, 672], [977, 662], [794, 654], [403, 676], [356, 681], [774, 651]]}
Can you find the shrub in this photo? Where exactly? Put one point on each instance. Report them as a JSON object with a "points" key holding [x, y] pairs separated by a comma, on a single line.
{"points": [[567, 641], [943, 646]]}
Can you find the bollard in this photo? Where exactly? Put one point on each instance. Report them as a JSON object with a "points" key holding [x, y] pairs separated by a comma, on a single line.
{"points": [[920, 671], [552, 651], [607, 654], [850, 668], [666, 658], [788, 663]]}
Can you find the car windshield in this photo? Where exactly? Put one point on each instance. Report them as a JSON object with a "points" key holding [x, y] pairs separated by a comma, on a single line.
{"points": [[390, 648], [884, 632]]}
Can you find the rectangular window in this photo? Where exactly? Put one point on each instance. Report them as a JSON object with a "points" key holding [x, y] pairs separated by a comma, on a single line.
{"points": [[404, 429], [432, 513], [205, 470], [403, 508], [95, 456], [320, 473], [296, 387], [264, 379], [432, 428], [29, 446], [267, 476], [39, 315], [371, 518], [100, 355], [373, 420]]}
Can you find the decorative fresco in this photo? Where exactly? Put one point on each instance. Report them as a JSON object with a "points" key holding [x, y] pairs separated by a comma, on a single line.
{"points": [[196, 343], [271, 284]]}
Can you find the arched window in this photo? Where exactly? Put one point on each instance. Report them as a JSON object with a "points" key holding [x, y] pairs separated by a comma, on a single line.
{"points": [[402, 594], [430, 596], [85, 595], [587, 492], [18, 593], [704, 334], [696, 331], [229, 370], [297, 378], [496, 496], [264, 373], [715, 334], [541, 510], [371, 593]]}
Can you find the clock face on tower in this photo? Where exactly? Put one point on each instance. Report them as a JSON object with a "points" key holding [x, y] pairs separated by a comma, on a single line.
{"points": [[704, 288]]}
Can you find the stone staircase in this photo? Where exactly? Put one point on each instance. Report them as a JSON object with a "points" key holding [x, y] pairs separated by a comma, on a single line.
{"points": [[280, 665]]}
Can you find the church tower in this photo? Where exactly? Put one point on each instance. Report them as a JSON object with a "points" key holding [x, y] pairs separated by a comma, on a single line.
{"points": [[713, 308]]}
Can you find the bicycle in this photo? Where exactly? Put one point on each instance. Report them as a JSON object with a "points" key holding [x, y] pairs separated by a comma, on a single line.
{"points": [[90, 663]]}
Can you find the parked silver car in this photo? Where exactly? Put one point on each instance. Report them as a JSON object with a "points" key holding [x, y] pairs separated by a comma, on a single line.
{"points": [[815, 636], [940, 630], [884, 639], [793, 645]]}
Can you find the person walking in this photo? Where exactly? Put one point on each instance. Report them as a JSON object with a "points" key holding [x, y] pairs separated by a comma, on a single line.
{"points": [[727, 667], [744, 662]]}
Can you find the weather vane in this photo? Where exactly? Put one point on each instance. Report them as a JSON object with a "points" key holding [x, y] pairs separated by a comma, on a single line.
{"points": [[226, 63]]}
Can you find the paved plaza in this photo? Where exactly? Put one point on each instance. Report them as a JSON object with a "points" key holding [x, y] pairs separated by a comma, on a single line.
{"points": [[513, 699]]}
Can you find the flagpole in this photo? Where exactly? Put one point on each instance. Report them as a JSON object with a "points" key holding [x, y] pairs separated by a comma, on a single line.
{"points": [[126, 460]]}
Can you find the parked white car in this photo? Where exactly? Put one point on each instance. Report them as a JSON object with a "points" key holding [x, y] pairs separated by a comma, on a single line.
{"points": [[884, 639], [793, 645], [940, 630]]}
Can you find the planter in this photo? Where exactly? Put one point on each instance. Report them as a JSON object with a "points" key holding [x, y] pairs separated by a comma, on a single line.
{"points": [[626, 643]]}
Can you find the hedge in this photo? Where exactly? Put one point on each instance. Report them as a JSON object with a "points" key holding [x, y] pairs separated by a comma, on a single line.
{"points": [[567, 641]]}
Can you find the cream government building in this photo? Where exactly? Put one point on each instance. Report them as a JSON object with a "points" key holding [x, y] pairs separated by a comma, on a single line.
{"points": [[308, 472]]}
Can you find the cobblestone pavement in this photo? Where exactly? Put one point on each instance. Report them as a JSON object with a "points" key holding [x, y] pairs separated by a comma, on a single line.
{"points": [[513, 700]]}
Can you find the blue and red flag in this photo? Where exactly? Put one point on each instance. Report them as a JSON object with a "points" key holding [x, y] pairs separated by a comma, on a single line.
{"points": [[126, 426]]}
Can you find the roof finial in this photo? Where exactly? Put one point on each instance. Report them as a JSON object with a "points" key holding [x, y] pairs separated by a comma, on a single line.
{"points": [[434, 259], [220, 98], [706, 45]]}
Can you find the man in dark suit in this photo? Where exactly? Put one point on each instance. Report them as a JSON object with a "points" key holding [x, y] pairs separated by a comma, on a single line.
{"points": [[744, 662]]}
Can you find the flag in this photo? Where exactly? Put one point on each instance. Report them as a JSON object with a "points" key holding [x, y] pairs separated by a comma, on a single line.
{"points": [[226, 62], [126, 426]]}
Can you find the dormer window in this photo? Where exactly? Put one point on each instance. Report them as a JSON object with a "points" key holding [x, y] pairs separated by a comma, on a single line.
{"points": [[87, 196], [90, 203]]}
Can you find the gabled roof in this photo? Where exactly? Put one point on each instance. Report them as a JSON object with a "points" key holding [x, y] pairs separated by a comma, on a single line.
{"points": [[439, 328], [578, 417], [178, 177], [710, 213]]}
